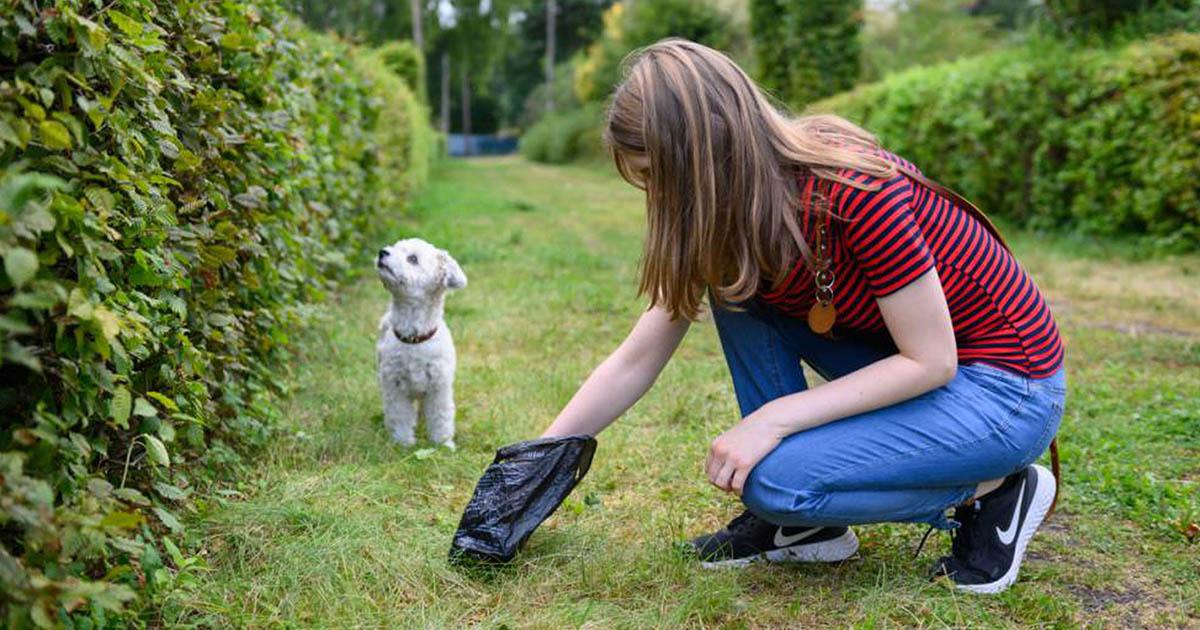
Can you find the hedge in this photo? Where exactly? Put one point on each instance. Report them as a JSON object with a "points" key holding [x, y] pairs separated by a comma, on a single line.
{"points": [[406, 60], [179, 179], [566, 136], [1105, 142]]}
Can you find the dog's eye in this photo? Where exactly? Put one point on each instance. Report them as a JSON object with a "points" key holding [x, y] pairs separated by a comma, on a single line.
{"points": [[412, 259]]}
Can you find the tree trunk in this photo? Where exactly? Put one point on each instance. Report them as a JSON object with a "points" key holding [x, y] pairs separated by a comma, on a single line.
{"points": [[466, 110], [445, 117], [551, 44], [417, 24]]}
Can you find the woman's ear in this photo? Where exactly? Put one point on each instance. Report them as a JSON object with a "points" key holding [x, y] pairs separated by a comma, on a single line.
{"points": [[454, 277]]}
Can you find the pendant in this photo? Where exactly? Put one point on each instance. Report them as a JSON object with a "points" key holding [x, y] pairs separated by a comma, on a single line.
{"points": [[821, 317]]}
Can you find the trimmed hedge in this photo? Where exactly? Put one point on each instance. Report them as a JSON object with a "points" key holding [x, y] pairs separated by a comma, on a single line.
{"points": [[1105, 142], [178, 179]]}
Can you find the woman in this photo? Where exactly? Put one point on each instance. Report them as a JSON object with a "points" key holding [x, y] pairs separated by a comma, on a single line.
{"points": [[812, 243]]}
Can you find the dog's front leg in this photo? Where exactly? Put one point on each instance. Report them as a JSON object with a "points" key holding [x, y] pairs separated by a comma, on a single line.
{"points": [[399, 415], [438, 409]]}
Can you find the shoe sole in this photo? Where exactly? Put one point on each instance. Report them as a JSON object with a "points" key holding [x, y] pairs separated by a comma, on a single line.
{"points": [[1047, 487], [832, 550]]}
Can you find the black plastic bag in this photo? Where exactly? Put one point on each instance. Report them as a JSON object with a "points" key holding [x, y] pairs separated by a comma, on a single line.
{"points": [[519, 490]]}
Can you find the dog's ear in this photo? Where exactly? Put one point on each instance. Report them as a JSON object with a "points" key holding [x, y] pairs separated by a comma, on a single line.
{"points": [[454, 277]]}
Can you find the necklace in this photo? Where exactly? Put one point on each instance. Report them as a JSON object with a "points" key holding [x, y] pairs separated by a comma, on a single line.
{"points": [[822, 315]]}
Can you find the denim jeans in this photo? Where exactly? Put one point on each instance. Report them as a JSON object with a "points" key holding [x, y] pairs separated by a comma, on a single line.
{"points": [[909, 462]]}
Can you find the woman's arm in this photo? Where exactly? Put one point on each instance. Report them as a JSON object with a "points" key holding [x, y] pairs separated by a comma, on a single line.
{"points": [[622, 378], [919, 322]]}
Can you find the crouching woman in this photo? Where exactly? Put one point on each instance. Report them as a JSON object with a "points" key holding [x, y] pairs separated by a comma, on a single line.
{"points": [[942, 362]]}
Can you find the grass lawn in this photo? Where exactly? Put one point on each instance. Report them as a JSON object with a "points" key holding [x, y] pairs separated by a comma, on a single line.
{"points": [[342, 529]]}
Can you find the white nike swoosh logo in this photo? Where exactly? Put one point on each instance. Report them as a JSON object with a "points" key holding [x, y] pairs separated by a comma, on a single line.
{"points": [[783, 541], [1007, 535]]}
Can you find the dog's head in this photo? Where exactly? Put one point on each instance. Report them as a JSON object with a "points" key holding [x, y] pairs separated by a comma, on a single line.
{"points": [[415, 269]]}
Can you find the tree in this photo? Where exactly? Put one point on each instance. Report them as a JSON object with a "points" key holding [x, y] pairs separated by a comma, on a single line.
{"points": [[1098, 17], [806, 49], [924, 32], [417, 26], [643, 22], [551, 35], [371, 21]]}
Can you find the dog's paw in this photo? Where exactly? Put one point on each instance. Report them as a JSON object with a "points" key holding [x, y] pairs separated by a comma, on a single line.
{"points": [[404, 439], [449, 445]]}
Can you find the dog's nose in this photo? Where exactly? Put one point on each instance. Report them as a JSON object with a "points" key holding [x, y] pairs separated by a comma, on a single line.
{"points": [[383, 253]]}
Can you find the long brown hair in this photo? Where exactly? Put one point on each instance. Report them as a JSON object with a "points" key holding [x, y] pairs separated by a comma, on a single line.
{"points": [[721, 187]]}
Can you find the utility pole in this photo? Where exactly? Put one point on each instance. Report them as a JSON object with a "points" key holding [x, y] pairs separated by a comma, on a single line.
{"points": [[551, 41]]}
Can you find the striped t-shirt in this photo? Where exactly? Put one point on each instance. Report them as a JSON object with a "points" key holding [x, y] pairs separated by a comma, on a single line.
{"points": [[881, 240]]}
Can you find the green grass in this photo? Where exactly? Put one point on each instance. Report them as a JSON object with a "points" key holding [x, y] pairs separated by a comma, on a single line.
{"points": [[342, 529]]}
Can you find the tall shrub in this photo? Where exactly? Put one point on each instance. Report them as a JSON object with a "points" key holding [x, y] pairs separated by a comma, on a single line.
{"points": [[806, 49], [408, 62], [1101, 141], [177, 180]]}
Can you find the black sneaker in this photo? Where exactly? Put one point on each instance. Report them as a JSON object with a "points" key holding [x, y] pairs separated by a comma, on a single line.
{"points": [[748, 538], [989, 544]]}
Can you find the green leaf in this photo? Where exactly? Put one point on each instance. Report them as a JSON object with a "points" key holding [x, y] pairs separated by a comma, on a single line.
{"points": [[54, 134], [9, 323], [20, 264], [170, 492], [172, 551], [113, 597], [23, 355], [120, 406], [168, 519], [110, 324], [130, 495], [78, 305], [128, 25], [164, 401], [143, 408], [156, 450], [99, 487], [122, 520]]}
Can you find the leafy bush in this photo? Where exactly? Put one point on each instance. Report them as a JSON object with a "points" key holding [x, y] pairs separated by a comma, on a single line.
{"points": [[408, 62], [1102, 141], [565, 136], [806, 50], [177, 180]]}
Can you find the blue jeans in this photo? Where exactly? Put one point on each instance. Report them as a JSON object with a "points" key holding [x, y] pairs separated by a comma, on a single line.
{"points": [[907, 462]]}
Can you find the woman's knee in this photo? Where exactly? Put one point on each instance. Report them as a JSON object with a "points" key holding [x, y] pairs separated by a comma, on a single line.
{"points": [[789, 500]]}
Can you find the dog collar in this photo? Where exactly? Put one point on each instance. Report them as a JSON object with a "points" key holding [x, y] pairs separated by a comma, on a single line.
{"points": [[415, 339]]}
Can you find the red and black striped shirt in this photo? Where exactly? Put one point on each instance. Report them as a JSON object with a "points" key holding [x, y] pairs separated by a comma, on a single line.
{"points": [[881, 240]]}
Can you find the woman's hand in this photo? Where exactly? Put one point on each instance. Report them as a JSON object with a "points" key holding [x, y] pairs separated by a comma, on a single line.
{"points": [[737, 451]]}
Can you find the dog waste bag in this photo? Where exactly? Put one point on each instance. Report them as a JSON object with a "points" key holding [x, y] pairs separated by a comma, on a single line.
{"points": [[520, 488]]}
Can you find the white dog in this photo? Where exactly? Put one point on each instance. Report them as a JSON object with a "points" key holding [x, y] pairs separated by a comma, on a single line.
{"points": [[415, 352]]}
